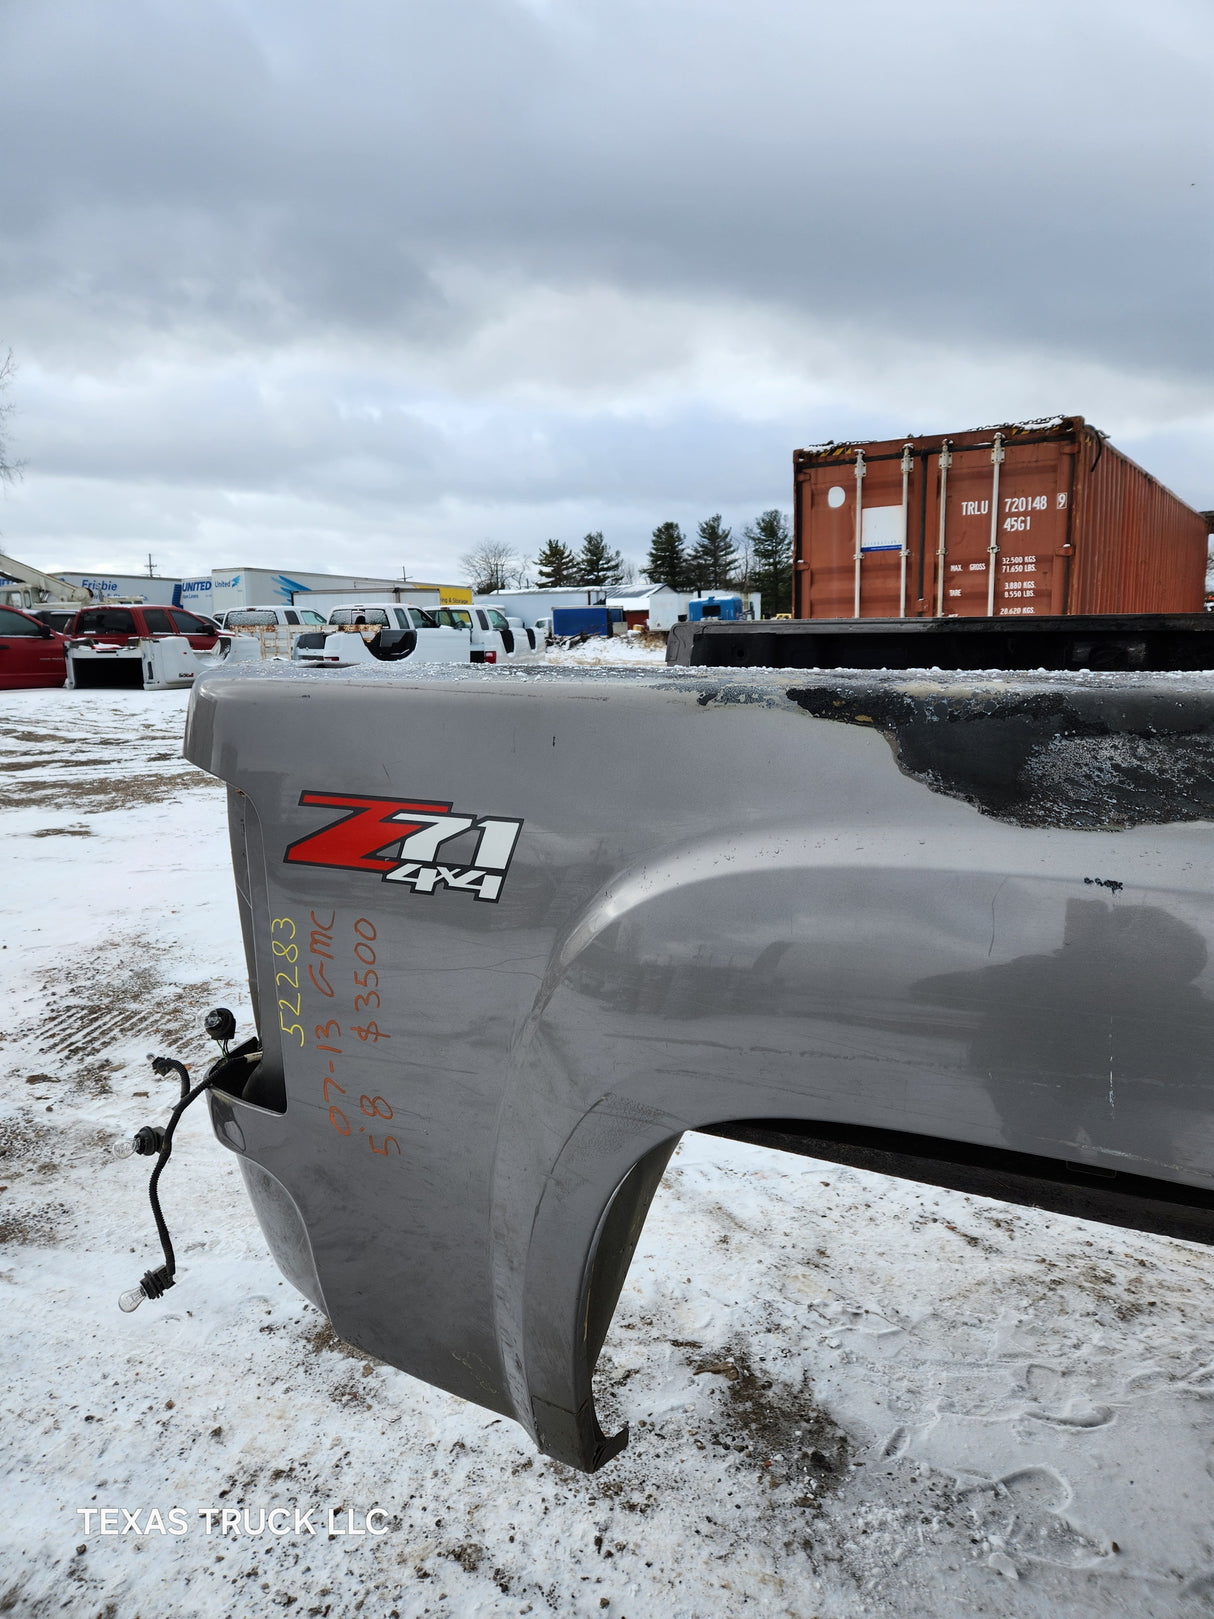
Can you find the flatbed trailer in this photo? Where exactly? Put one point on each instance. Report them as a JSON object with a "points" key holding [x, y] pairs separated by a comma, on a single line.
{"points": [[1168, 642]]}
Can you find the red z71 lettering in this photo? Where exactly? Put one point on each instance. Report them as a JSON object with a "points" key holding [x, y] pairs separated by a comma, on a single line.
{"points": [[399, 839], [352, 843]]}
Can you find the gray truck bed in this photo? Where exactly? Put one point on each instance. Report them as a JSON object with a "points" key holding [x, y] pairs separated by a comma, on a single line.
{"points": [[512, 932]]}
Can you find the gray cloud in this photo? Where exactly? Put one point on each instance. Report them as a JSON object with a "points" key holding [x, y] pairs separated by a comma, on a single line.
{"points": [[576, 257]]}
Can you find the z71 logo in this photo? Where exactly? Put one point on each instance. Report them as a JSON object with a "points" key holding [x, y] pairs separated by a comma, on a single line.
{"points": [[400, 839]]}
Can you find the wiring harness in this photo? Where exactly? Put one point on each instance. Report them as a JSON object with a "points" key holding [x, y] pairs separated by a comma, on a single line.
{"points": [[151, 1139]]}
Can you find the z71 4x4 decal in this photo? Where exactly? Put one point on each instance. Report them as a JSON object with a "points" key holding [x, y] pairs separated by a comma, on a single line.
{"points": [[399, 839]]}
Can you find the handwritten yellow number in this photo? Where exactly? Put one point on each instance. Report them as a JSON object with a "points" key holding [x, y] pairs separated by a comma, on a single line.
{"points": [[289, 1028]]}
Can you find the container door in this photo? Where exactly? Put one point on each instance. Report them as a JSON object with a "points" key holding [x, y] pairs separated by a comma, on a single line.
{"points": [[882, 529], [848, 569], [1020, 505]]}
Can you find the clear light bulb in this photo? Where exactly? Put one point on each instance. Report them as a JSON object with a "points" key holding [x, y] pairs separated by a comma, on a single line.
{"points": [[124, 1148], [131, 1299]]}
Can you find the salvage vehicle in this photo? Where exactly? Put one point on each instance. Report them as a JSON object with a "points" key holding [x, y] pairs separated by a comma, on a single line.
{"points": [[494, 636], [31, 653], [151, 662], [390, 634], [275, 628], [241, 618], [109, 623], [58, 616], [518, 639], [514, 932], [392, 615]]}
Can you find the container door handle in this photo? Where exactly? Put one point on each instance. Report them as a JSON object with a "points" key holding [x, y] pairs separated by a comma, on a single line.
{"points": [[907, 462], [993, 548], [859, 525], [946, 461]]}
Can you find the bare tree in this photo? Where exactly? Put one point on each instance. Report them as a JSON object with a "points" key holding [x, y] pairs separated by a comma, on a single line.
{"points": [[9, 469], [490, 566]]}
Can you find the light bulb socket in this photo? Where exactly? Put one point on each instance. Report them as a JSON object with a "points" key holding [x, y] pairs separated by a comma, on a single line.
{"points": [[163, 1066], [153, 1285], [220, 1024], [145, 1143]]}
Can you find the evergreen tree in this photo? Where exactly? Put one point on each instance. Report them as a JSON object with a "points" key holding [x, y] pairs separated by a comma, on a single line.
{"points": [[597, 563], [556, 565], [666, 563], [714, 558], [771, 561]]}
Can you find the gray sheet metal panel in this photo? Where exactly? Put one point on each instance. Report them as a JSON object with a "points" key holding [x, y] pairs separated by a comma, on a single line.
{"points": [[720, 906]]}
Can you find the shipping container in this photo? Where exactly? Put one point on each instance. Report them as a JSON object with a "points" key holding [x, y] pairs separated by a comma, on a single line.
{"points": [[586, 620], [1021, 520]]}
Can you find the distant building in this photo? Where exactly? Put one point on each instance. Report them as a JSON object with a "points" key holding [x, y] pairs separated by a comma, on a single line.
{"points": [[657, 607], [652, 607]]}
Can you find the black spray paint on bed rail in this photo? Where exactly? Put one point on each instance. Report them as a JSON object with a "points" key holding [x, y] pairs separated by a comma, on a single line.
{"points": [[1100, 760]]}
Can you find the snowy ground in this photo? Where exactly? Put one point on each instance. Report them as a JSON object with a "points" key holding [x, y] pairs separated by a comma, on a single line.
{"points": [[849, 1397], [596, 649]]}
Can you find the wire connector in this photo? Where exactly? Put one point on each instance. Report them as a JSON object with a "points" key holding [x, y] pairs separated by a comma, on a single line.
{"points": [[220, 1025], [145, 1143], [156, 1282], [163, 1066], [155, 1285]]}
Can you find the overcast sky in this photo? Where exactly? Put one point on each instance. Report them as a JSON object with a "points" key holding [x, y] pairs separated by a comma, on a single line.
{"points": [[353, 286]]}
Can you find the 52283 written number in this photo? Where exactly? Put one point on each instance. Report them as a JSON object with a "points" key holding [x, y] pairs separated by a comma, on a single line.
{"points": [[286, 954]]}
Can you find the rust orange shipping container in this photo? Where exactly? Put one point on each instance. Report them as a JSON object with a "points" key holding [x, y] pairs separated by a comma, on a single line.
{"points": [[1031, 518]]}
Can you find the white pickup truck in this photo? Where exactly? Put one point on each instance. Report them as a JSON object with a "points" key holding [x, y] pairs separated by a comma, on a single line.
{"points": [[276, 628], [494, 636], [383, 633]]}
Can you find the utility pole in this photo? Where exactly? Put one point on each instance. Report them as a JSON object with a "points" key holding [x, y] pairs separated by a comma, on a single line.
{"points": [[151, 567]]}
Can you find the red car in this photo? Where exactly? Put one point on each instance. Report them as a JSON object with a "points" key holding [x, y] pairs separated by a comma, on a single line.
{"points": [[117, 623], [31, 653]]}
